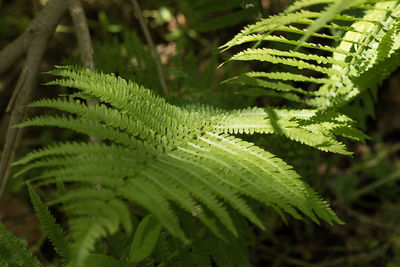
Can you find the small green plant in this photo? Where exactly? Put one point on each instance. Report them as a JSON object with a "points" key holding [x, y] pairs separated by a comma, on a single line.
{"points": [[176, 183]]}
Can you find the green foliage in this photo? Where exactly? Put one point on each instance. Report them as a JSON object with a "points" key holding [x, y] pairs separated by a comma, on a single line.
{"points": [[56, 234], [16, 251], [330, 12], [329, 75], [145, 239], [189, 166], [100, 260], [158, 154], [93, 216]]}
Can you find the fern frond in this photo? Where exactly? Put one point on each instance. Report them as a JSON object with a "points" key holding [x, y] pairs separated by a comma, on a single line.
{"points": [[91, 218], [140, 103], [367, 52], [56, 234], [288, 123], [75, 148], [101, 113], [284, 76], [298, 5], [167, 159], [253, 163], [147, 195], [266, 54], [20, 253], [181, 196], [327, 15], [270, 24], [83, 125], [294, 43]]}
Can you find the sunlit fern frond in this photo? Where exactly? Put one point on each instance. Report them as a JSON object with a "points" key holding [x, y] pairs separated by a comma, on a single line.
{"points": [[353, 52], [160, 157]]}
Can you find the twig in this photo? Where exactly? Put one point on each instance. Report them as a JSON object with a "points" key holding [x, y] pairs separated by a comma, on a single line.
{"points": [[372, 186], [14, 51], [25, 87], [46, 20], [82, 31], [153, 50], [85, 45], [39, 33]]}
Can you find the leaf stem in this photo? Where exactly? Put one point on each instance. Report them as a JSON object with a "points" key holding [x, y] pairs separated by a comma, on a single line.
{"points": [[153, 49]]}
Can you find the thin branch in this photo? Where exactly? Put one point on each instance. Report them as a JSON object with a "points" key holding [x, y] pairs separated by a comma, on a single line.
{"points": [[14, 50], [85, 45], [153, 49], [82, 31], [25, 86], [46, 20], [39, 33]]}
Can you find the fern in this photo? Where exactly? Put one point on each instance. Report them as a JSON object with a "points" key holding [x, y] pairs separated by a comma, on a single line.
{"points": [[92, 219], [363, 56], [56, 234], [158, 156], [335, 8], [16, 249]]}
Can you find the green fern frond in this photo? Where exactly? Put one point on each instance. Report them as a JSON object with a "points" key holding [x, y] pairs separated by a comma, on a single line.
{"points": [[313, 130], [261, 172], [284, 76], [329, 13], [146, 194], [83, 125], [298, 5], [101, 113], [90, 173], [136, 101], [270, 24], [18, 251], [294, 43], [91, 218], [167, 159], [56, 234], [361, 58], [273, 55], [75, 148]]}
